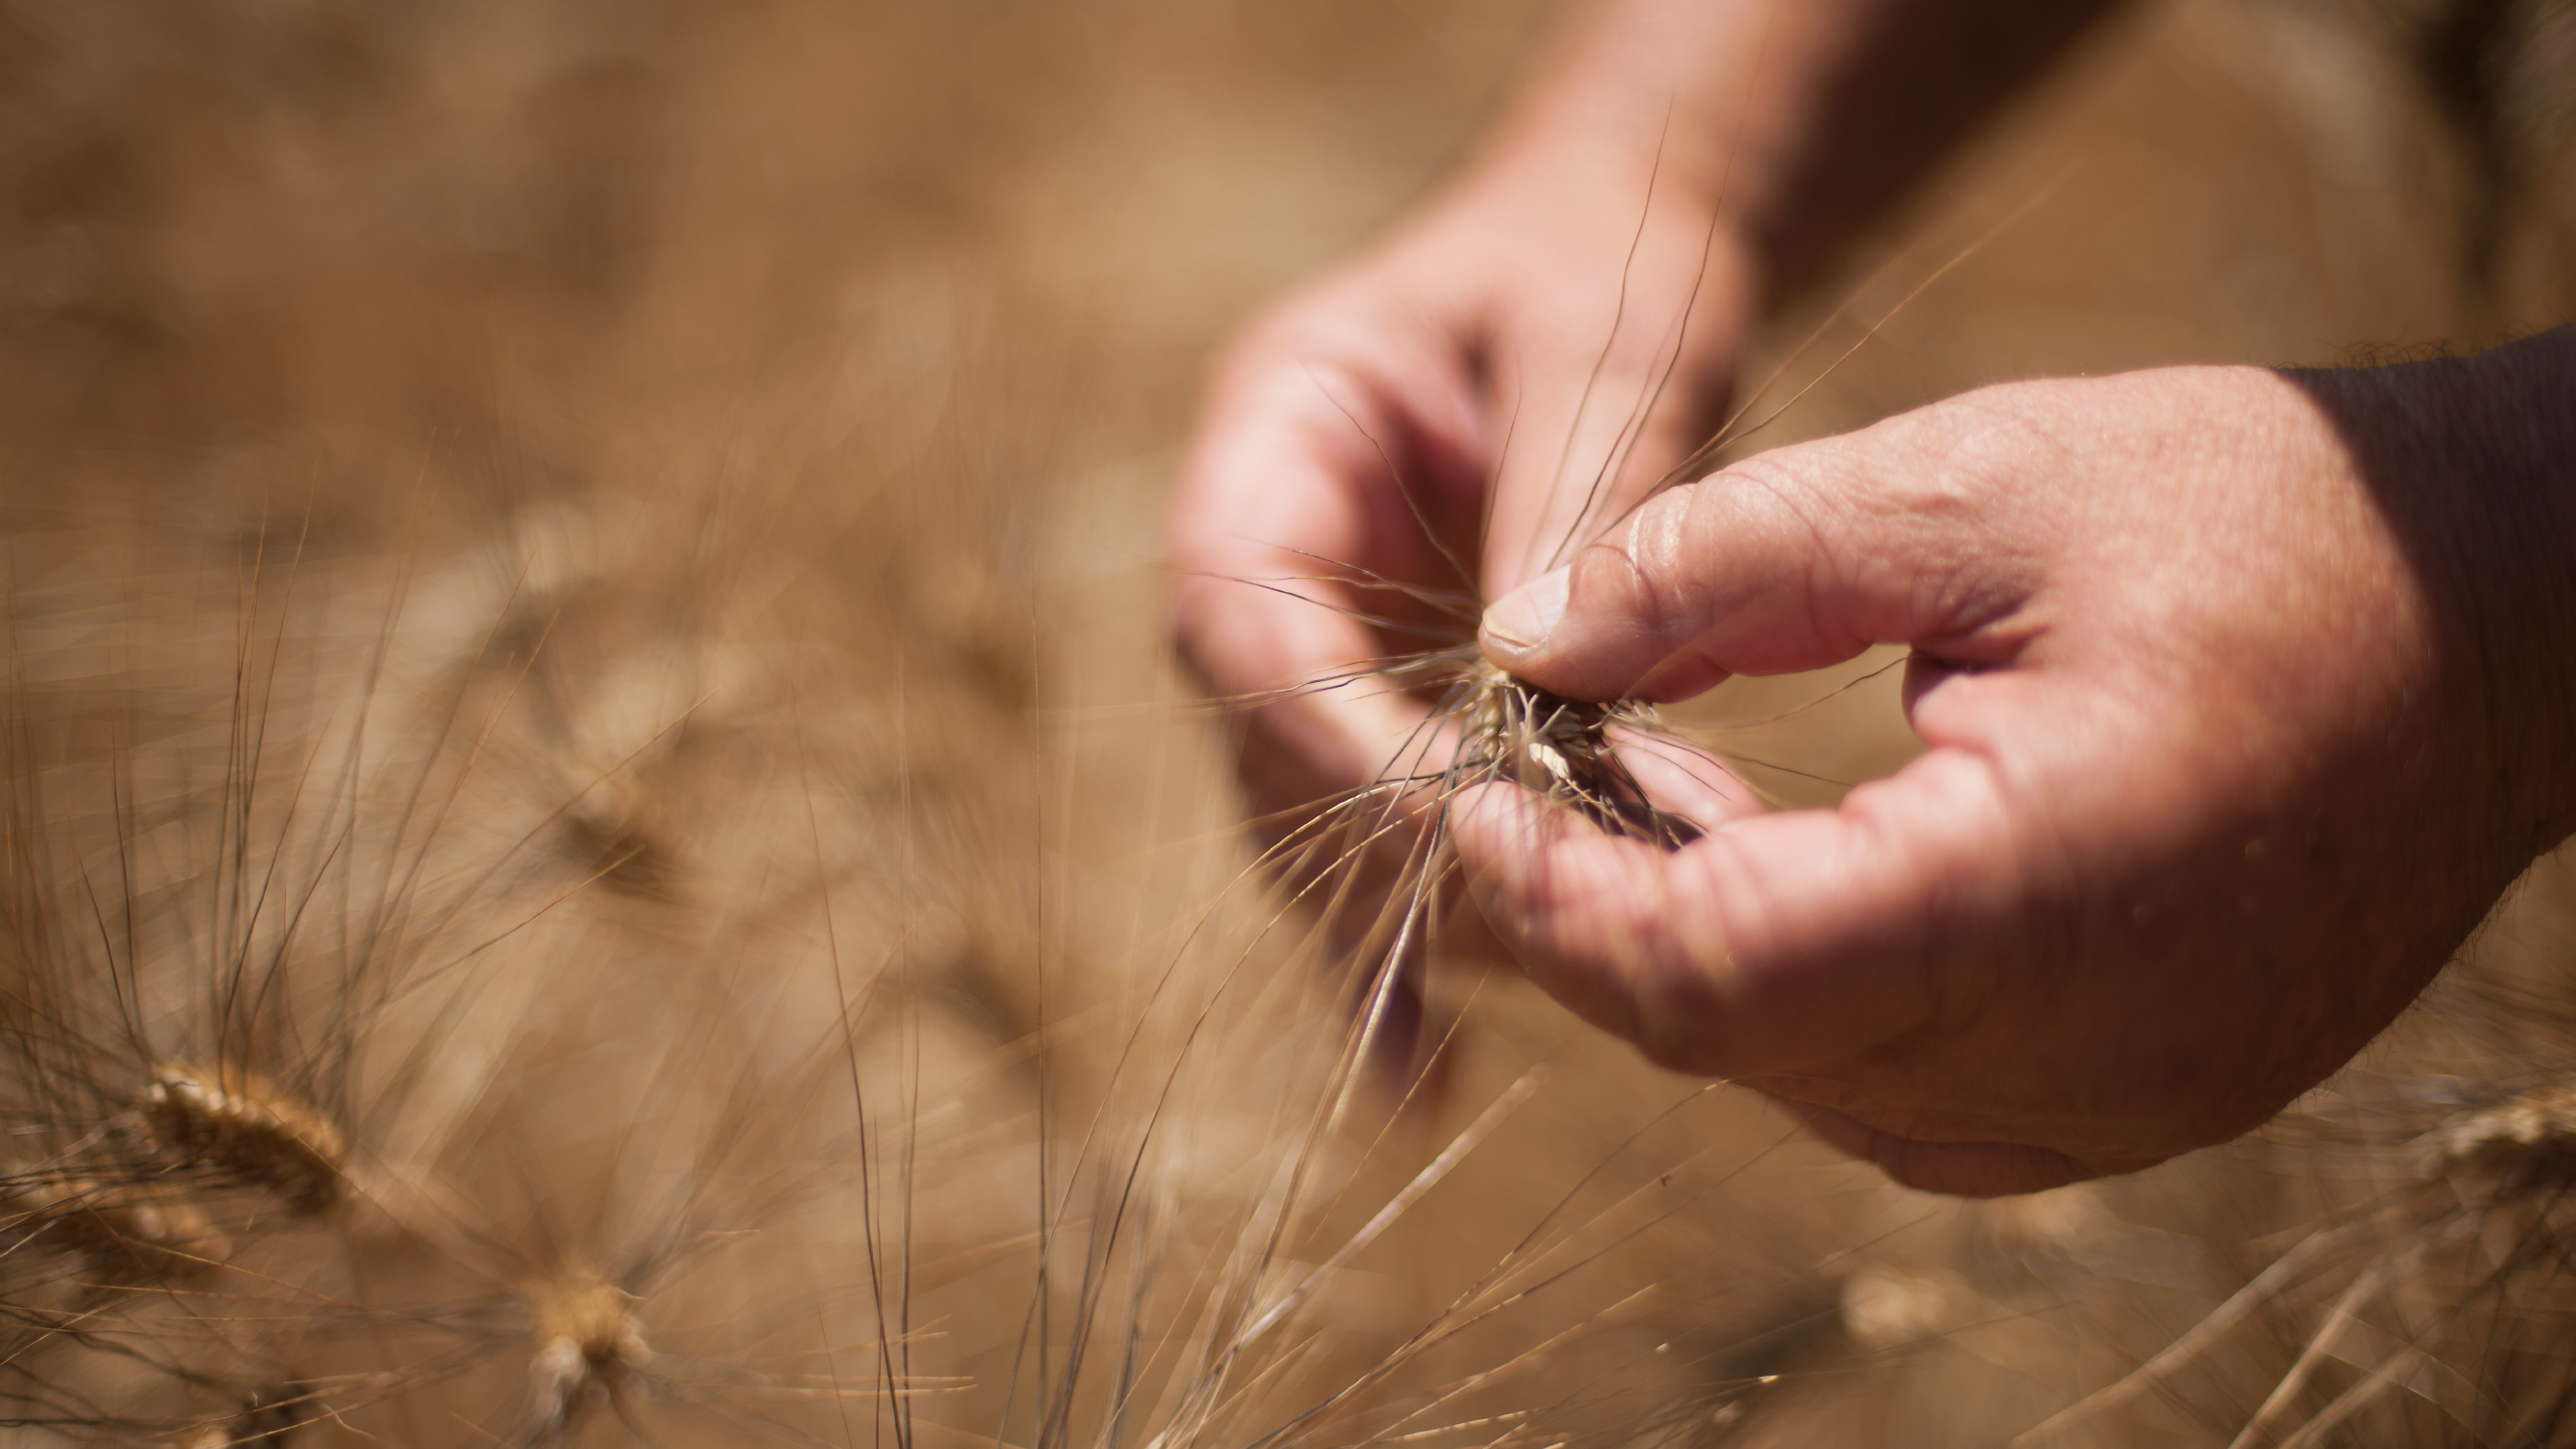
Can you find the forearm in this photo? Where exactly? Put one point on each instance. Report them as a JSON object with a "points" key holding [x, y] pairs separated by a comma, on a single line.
{"points": [[1796, 121]]}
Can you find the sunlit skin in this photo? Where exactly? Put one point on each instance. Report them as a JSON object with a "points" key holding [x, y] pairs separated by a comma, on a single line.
{"points": [[2216, 774], [2245, 694]]}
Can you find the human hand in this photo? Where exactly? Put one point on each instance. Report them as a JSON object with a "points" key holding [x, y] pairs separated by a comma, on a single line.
{"points": [[2244, 695], [1416, 432], [1435, 417]]}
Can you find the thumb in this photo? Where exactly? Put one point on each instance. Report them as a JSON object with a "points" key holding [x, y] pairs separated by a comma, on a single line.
{"points": [[1798, 559]]}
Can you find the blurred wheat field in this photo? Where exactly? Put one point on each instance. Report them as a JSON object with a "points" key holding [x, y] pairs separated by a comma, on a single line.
{"points": [[601, 848]]}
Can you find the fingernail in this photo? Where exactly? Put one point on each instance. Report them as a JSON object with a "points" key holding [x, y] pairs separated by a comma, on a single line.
{"points": [[1520, 621]]}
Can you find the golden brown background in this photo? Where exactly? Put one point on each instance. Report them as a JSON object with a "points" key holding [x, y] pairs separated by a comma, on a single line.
{"points": [[926, 290]]}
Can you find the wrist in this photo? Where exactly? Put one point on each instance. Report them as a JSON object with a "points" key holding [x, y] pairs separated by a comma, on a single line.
{"points": [[1705, 101], [1660, 87], [2518, 442], [1598, 206], [2473, 462]]}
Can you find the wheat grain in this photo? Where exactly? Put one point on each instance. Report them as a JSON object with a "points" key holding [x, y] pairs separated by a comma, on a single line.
{"points": [[588, 1346], [119, 1233], [237, 1123]]}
